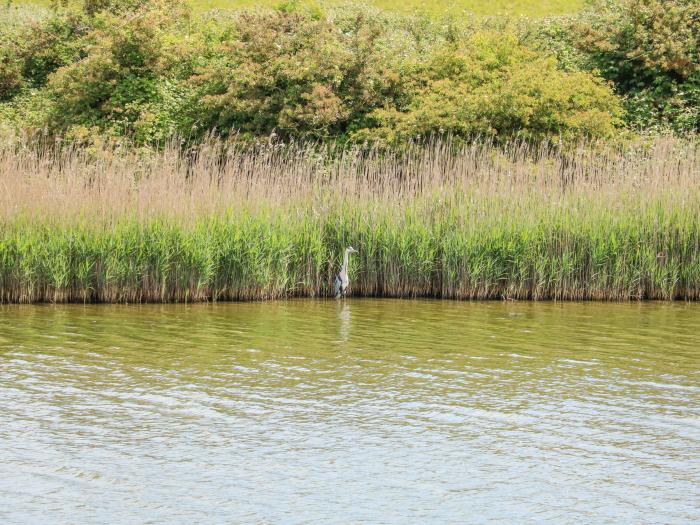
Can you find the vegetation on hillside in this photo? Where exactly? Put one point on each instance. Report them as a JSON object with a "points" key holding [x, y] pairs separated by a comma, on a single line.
{"points": [[148, 71]]}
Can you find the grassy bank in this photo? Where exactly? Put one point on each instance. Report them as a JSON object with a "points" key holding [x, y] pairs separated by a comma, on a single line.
{"points": [[439, 221]]}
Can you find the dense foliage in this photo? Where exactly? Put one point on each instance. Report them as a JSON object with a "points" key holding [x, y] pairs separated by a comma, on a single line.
{"points": [[650, 49], [492, 85], [151, 70]]}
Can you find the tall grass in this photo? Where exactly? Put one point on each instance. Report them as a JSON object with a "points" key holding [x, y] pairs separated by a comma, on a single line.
{"points": [[437, 220]]}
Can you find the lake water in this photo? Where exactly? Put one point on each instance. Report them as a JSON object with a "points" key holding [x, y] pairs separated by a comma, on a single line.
{"points": [[358, 411]]}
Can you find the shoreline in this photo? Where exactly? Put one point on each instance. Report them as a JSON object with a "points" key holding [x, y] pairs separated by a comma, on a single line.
{"points": [[330, 299]]}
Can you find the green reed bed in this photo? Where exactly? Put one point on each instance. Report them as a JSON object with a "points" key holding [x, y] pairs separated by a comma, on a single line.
{"points": [[438, 221]]}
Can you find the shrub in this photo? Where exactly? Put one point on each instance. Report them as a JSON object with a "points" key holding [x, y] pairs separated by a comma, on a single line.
{"points": [[148, 71], [292, 74], [650, 49], [92, 7], [493, 85], [119, 86], [33, 44], [10, 72]]}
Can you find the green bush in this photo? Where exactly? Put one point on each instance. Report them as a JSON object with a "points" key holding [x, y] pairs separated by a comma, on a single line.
{"points": [[11, 79], [650, 49], [92, 7], [318, 77], [150, 70], [120, 85], [33, 44], [492, 85], [290, 73]]}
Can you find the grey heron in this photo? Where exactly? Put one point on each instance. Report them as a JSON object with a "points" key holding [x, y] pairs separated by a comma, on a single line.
{"points": [[341, 280]]}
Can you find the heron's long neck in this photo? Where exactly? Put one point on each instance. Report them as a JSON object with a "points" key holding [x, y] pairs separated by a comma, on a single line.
{"points": [[345, 262]]}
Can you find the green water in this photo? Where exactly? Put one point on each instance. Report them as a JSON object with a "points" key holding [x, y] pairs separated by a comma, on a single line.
{"points": [[363, 411]]}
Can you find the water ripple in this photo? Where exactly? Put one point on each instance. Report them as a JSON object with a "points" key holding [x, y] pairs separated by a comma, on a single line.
{"points": [[363, 411]]}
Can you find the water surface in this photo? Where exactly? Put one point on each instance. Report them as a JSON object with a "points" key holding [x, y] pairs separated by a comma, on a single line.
{"points": [[362, 411]]}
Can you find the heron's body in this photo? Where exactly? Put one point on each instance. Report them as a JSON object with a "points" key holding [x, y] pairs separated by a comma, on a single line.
{"points": [[341, 282]]}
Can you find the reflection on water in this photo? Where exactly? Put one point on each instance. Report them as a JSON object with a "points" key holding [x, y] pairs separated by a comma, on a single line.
{"points": [[361, 411], [343, 320]]}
